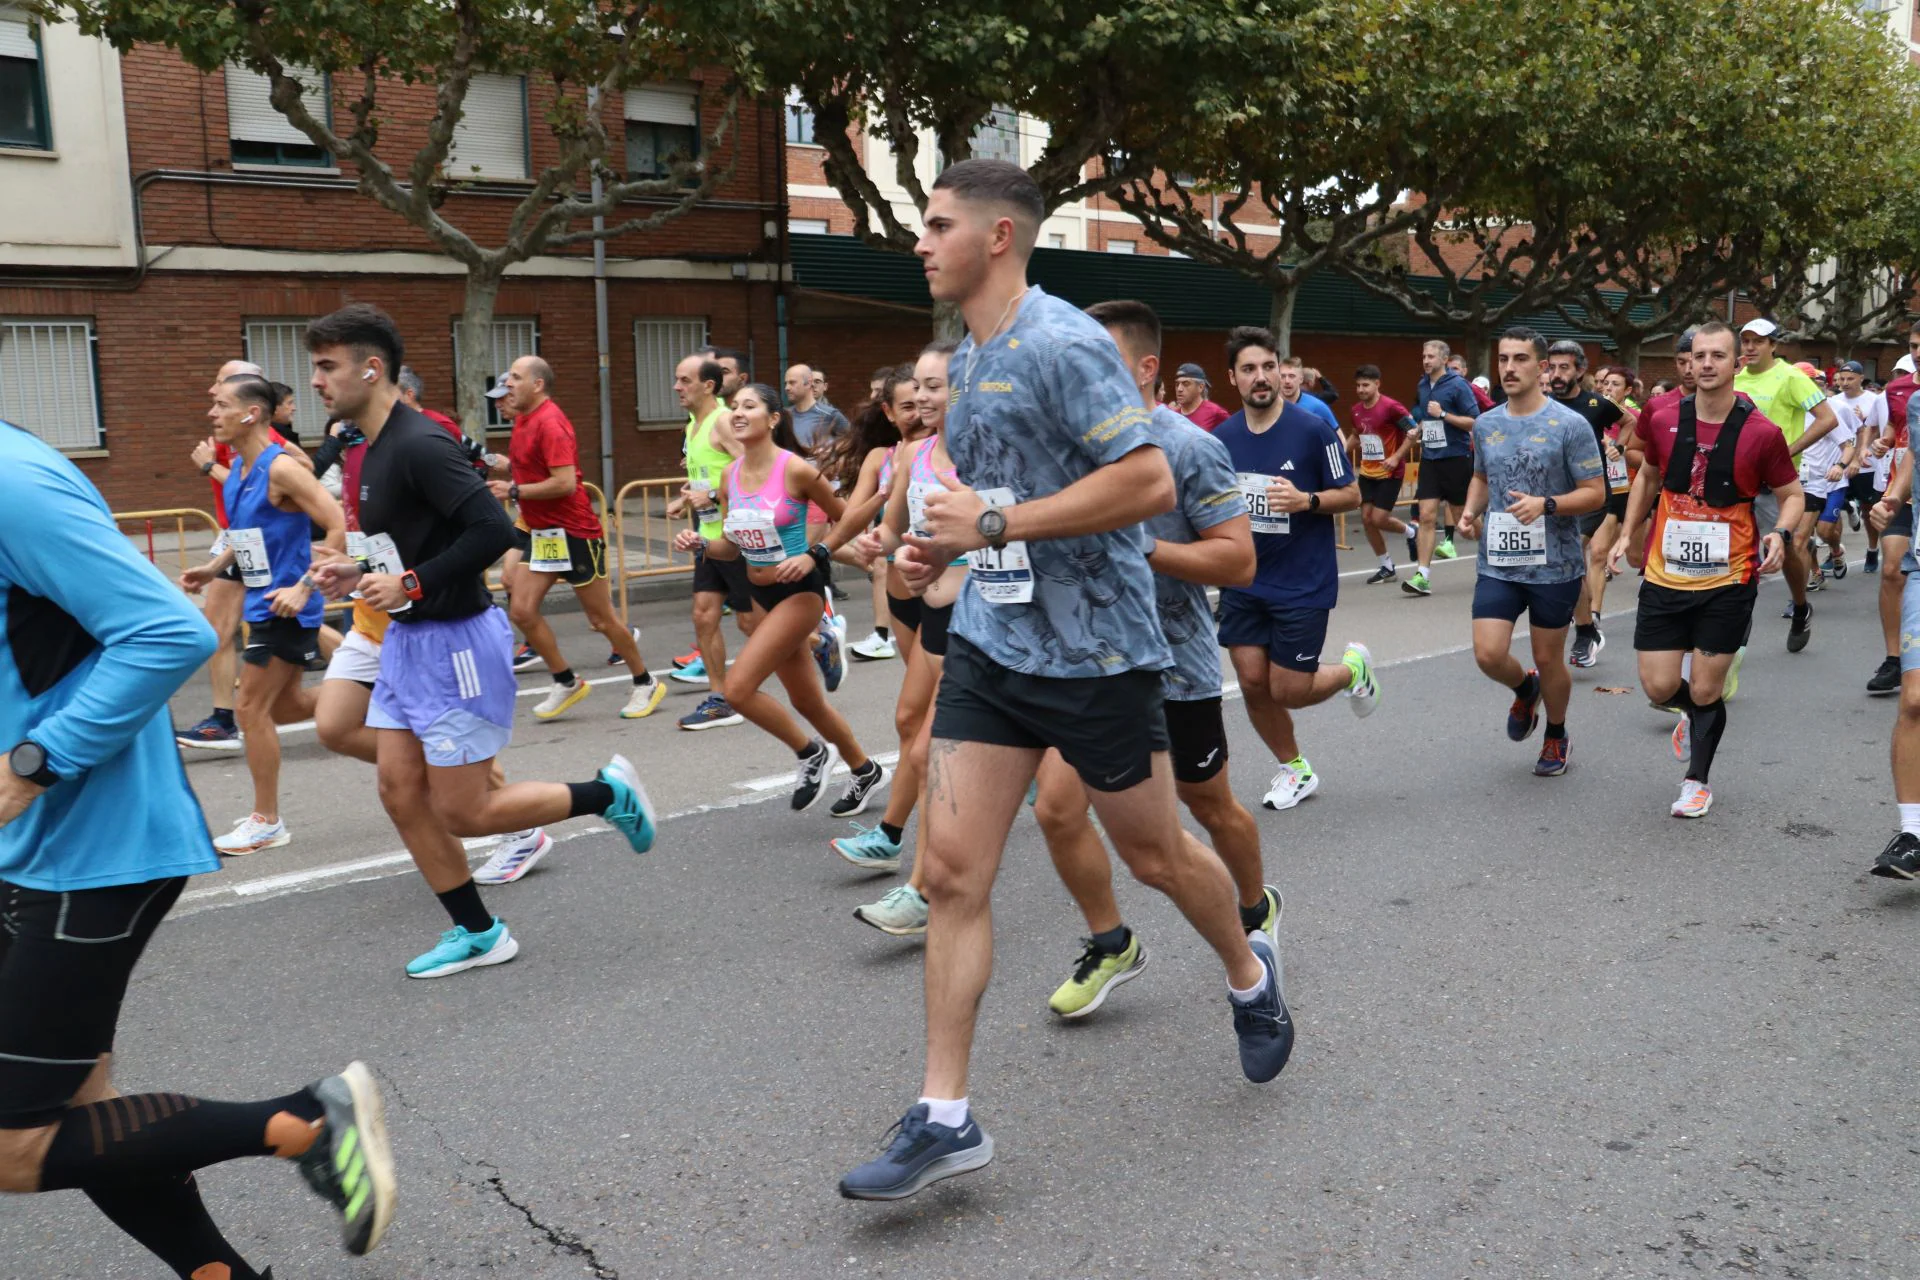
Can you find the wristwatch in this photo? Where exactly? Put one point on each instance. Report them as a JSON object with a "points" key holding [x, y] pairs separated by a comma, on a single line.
{"points": [[410, 583], [1785, 535], [1553, 505], [513, 490], [29, 761], [206, 468], [1313, 502], [821, 556], [992, 525]]}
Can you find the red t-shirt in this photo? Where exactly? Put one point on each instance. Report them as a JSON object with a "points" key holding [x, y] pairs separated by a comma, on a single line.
{"points": [[1899, 392], [1762, 464], [542, 441], [1386, 420], [1206, 415], [223, 457]]}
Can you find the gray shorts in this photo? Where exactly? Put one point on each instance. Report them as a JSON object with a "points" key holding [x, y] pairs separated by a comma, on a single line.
{"points": [[1910, 624], [450, 684]]}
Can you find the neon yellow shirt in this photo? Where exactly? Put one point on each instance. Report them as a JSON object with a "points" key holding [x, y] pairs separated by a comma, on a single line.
{"points": [[706, 461], [1783, 394]]}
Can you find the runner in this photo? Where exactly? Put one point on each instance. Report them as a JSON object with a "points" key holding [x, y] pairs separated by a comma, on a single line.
{"points": [[1448, 410], [1293, 382], [558, 537], [860, 465], [270, 499], [1294, 477], [1566, 375], [1706, 458], [1204, 541], [763, 507], [1868, 480], [1383, 434], [709, 448], [1826, 468], [1896, 523], [443, 702], [98, 834], [1193, 398], [1047, 427], [1537, 469], [1900, 860]]}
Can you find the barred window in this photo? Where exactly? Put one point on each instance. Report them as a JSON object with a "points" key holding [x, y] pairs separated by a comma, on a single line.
{"points": [[47, 381]]}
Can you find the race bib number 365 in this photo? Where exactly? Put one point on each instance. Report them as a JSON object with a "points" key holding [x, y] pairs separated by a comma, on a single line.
{"points": [[1512, 545]]}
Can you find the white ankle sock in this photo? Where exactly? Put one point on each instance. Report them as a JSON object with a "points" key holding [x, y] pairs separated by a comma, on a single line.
{"points": [[951, 1112], [1251, 993], [1386, 562], [1910, 818]]}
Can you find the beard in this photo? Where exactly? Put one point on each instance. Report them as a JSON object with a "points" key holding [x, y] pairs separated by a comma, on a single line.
{"points": [[1262, 397]]}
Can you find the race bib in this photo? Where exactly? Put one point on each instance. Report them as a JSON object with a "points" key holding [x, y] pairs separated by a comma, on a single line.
{"points": [[357, 545], [381, 555], [917, 493], [249, 547], [549, 553], [1003, 575], [1511, 544], [219, 545], [1372, 449], [1697, 548], [754, 532], [1266, 518], [1617, 475], [1433, 433]]}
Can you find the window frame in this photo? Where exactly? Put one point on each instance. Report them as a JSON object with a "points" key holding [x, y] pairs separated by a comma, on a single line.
{"points": [[526, 140], [676, 416], [799, 119], [497, 423], [309, 410], [37, 84], [629, 125], [304, 157], [90, 334]]}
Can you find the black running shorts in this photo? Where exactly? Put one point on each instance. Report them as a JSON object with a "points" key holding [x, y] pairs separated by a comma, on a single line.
{"points": [[934, 621], [1715, 620], [727, 578], [1446, 479], [906, 611], [587, 555], [282, 638], [1197, 739], [1383, 493]]}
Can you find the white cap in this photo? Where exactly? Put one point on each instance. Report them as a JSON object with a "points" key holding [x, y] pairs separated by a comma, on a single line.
{"points": [[1482, 383], [1761, 328], [499, 389], [1903, 365]]}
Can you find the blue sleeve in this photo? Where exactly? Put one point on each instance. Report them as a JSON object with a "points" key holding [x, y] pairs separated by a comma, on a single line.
{"points": [[1209, 486], [58, 542], [1094, 398], [1464, 401], [1333, 458]]}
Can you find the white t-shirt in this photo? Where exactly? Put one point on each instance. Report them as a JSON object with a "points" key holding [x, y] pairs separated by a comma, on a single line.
{"points": [[1817, 458], [1870, 407]]}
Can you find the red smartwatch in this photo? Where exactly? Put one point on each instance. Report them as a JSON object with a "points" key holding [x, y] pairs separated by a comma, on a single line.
{"points": [[410, 583]]}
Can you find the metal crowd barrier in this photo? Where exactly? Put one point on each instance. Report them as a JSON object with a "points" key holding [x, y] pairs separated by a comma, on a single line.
{"points": [[656, 557], [179, 516]]}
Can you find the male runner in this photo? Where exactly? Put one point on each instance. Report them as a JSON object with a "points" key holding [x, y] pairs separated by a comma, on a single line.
{"points": [[1204, 541], [709, 447], [1536, 470], [562, 538], [1826, 470], [1900, 860], [1566, 374], [1706, 459], [98, 834], [1054, 643], [1447, 409], [1293, 474], [1870, 417], [1383, 435], [443, 703], [273, 502], [1293, 383], [1786, 397], [1193, 399], [1896, 521]]}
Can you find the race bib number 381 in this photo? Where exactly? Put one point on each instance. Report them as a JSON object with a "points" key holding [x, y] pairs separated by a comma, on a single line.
{"points": [[1697, 548]]}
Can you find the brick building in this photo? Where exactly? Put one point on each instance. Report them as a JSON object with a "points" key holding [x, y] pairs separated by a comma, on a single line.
{"points": [[160, 221]]}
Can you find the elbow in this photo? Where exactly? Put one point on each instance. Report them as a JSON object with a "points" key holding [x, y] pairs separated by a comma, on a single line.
{"points": [[1245, 565]]}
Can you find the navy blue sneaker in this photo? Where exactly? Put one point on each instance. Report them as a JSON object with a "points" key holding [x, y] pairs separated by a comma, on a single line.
{"points": [[1523, 717], [919, 1154], [212, 734], [1265, 1028]]}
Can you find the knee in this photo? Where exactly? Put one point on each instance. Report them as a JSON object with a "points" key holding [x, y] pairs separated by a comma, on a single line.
{"points": [[524, 611], [1060, 811], [1490, 658], [1909, 704], [332, 730], [1288, 689], [706, 612], [251, 706], [22, 1152], [1213, 809], [951, 881], [400, 795], [1156, 865], [905, 723], [737, 688]]}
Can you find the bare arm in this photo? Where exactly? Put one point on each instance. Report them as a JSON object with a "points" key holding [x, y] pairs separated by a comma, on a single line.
{"points": [[294, 487], [1223, 555], [1824, 420]]}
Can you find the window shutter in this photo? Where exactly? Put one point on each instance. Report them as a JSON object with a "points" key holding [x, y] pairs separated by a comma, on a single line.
{"points": [[658, 348], [250, 113], [47, 382], [674, 103], [16, 38], [491, 139]]}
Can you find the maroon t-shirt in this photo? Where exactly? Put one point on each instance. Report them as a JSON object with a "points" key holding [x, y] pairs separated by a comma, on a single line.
{"points": [[1762, 464], [1386, 418], [1206, 415]]}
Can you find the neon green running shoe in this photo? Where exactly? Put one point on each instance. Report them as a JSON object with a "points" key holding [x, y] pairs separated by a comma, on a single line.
{"points": [[1444, 550], [1095, 974]]}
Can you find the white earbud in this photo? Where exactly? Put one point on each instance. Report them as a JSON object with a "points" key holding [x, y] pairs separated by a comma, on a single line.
{"points": [[247, 419], [367, 376]]}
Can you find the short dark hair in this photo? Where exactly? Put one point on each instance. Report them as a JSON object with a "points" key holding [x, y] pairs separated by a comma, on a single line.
{"points": [[1532, 337], [728, 353], [941, 347], [363, 329], [282, 391], [1244, 336], [1369, 372], [1713, 329], [998, 182], [1684, 343], [1136, 323], [712, 371], [253, 390], [1568, 347]]}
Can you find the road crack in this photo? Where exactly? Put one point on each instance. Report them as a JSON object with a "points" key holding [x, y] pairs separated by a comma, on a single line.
{"points": [[559, 1238]]}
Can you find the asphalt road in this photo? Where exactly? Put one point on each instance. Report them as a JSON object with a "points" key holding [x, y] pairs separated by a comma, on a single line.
{"points": [[1544, 1028]]}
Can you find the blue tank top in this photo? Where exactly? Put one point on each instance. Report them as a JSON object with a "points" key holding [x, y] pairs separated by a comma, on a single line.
{"points": [[271, 547]]}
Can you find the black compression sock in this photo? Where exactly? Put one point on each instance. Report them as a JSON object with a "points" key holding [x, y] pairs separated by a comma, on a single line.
{"points": [[1709, 723], [588, 798], [1114, 940], [465, 908], [122, 1142], [1253, 917], [1446, 535], [224, 715], [167, 1216], [1556, 730], [643, 679], [868, 769], [1588, 629], [563, 676], [891, 832]]}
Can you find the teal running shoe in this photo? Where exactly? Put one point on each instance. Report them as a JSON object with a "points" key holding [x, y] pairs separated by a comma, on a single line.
{"points": [[459, 950], [631, 813], [869, 849]]}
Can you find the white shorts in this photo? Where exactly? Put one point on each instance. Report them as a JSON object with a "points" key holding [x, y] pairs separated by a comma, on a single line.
{"points": [[357, 659]]}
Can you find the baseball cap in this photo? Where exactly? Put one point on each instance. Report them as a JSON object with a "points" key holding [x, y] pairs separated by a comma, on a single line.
{"points": [[1852, 366], [1482, 383], [499, 389], [1903, 365], [1809, 368], [1685, 341], [1193, 371], [1761, 328]]}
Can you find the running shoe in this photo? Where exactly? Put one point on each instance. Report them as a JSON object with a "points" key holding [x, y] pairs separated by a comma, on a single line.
{"points": [[1444, 550], [829, 651], [1417, 585], [714, 712], [1800, 629], [644, 700], [514, 856], [1683, 740], [1276, 907], [1095, 974], [902, 912], [1886, 677], [837, 591], [1872, 564], [854, 799], [1837, 562], [1383, 574], [1816, 579], [350, 1165], [1853, 515], [1294, 783], [919, 1153], [1523, 717], [1900, 860], [614, 659], [1263, 1026], [694, 672], [525, 659], [1553, 758], [459, 950], [810, 778], [1363, 690], [560, 699], [1586, 648], [631, 813], [1694, 800], [211, 734], [1733, 674], [250, 835], [686, 659], [869, 849], [875, 648]]}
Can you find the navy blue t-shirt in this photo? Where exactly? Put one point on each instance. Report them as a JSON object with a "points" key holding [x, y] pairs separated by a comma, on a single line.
{"points": [[1455, 395], [1297, 565]]}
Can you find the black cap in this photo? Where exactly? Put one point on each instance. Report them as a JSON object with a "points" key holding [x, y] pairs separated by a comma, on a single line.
{"points": [[1685, 341], [1194, 371]]}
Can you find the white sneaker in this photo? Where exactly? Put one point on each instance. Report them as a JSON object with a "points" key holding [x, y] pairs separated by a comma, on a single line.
{"points": [[514, 856], [902, 913], [874, 648], [250, 835], [1694, 802], [1289, 787], [560, 699]]}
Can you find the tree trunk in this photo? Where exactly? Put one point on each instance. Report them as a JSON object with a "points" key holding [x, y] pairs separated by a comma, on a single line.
{"points": [[1474, 349], [476, 349], [948, 324], [1627, 349], [1280, 313]]}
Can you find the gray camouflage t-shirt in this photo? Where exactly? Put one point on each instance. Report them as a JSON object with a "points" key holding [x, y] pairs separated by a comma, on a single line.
{"points": [[1209, 495], [1542, 455], [1040, 406]]}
